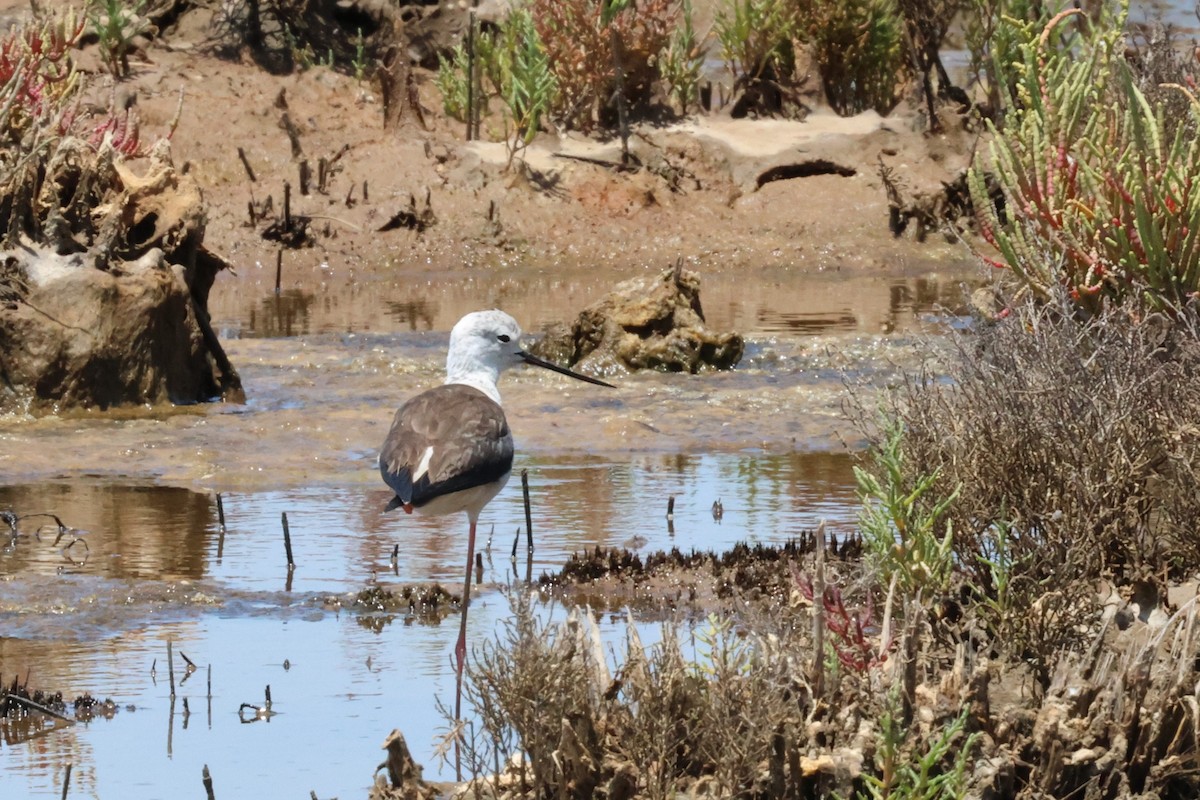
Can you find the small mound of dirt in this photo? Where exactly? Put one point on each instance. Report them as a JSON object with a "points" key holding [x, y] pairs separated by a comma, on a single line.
{"points": [[644, 323]]}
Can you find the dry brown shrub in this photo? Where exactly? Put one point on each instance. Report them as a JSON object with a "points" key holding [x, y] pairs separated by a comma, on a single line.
{"points": [[725, 709], [1165, 72], [580, 51], [1074, 446]]}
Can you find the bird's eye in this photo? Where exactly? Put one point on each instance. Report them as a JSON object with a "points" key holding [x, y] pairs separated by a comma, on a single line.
{"points": [[504, 337]]}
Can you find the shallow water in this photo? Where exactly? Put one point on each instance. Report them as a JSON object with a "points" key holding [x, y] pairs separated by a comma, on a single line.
{"points": [[323, 372], [156, 568]]}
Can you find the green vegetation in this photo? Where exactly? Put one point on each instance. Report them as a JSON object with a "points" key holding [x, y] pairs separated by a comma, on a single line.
{"points": [[681, 60], [116, 23], [901, 525], [756, 44], [1100, 200], [903, 775], [859, 49]]}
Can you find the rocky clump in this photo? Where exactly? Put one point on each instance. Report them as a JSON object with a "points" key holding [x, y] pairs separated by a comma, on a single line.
{"points": [[109, 306], [644, 323]]}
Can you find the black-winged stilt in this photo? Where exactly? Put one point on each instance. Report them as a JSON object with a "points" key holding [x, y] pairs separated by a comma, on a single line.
{"points": [[449, 448]]}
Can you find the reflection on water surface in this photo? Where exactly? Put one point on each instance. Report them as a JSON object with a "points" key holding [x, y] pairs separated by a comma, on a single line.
{"points": [[158, 568], [807, 305]]}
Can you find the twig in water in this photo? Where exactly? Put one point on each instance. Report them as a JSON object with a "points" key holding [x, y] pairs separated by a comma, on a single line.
{"points": [[287, 543], [208, 785], [66, 782], [260, 712], [528, 514], [221, 512], [170, 668]]}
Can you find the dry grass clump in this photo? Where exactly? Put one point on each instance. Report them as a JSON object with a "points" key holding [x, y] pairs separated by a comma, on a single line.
{"points": [[739, 711], [1073, 448], [737, 717], [1079, 438]]}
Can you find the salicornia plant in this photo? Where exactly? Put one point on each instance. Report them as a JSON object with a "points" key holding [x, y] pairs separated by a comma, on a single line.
{"points": [[939, 772], [900, 522], [1098, 200]]}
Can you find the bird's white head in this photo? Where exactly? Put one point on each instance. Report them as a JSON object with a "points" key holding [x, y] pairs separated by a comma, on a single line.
{"points": [[482, 344]]}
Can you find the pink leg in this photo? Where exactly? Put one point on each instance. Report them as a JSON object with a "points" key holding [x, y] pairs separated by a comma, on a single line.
{"points": [[460, 649]]}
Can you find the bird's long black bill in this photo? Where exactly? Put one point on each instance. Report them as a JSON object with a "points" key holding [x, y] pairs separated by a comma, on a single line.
{"points": [[537, 362]]}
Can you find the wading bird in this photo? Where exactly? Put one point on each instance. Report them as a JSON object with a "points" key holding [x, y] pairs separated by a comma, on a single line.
{"points": [[449, 448]]}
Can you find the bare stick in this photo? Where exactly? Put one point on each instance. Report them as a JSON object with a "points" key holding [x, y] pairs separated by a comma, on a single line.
{"points": [[287, 543], [267, 705], [208, 787], [528, 513], [287, 207], [322, 173], [210, 696], [246, 164], [66, 782], [171, 668], [191, 664], [278, 269], [221, 529], [622, 114], [305, 176], [366, 194], [516, 539], [470, 74]]}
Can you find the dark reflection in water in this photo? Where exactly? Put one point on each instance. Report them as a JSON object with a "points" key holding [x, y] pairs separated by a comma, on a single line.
{"points": [[152, 532], [285, 314], [795, 303], [906, 300], [412, 315]]}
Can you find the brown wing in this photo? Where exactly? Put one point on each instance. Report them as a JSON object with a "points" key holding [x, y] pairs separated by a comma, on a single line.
{"points": [[445, 440]]}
